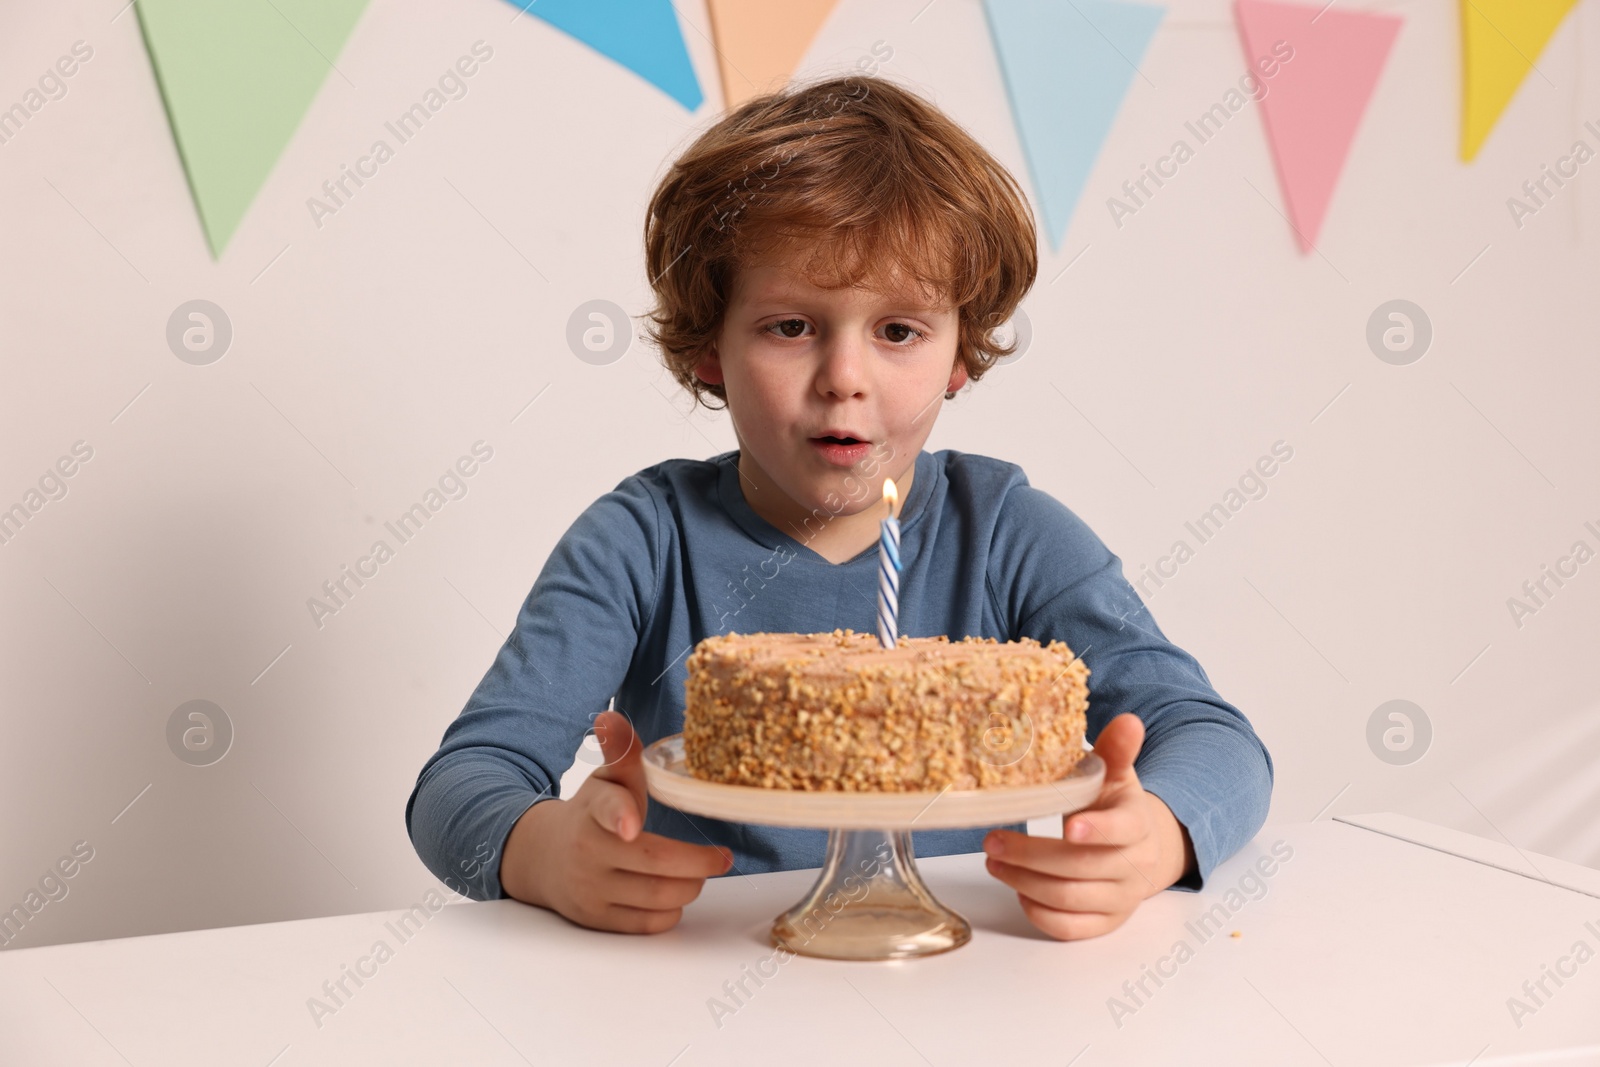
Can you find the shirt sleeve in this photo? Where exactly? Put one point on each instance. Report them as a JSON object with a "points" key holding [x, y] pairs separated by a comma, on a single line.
{"points": [[575, 637], [1054, 579]]}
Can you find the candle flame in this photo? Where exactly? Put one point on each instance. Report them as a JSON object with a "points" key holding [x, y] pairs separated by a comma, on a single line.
{"points": [[891, 494]]}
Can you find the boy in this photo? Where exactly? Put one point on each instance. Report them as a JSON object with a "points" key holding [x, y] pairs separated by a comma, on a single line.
{"points": [[829, 262]]}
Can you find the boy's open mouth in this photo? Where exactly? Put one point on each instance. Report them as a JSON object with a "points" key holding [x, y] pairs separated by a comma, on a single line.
{"points": [[841, 448], [840, 435]]}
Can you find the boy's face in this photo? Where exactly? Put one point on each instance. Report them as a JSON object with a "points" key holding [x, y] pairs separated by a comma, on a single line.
{"points": [[799, 363]]}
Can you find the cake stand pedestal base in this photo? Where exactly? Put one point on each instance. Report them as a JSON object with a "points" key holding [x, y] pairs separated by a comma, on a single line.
{"points": [[869, 903]]}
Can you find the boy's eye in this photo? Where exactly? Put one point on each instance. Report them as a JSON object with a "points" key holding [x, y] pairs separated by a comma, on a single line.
{"points": [[893, 330], [897, 333]]}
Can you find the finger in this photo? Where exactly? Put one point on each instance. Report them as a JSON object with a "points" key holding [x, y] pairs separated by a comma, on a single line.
{"points": [[615, 809], [655, 854], [1049, 856], [624, 755], [651, 892], [616, 736], [1118, 745], [1123, 823], [1069, 925], [1062, 894], [623, 919]]}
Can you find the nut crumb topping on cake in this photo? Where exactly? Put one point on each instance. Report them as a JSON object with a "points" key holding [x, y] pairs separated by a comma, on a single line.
{"points": [[838, 712]]}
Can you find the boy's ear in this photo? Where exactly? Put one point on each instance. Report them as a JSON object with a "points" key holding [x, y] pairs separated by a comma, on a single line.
{"points": [[958, 377], [709, 367]]}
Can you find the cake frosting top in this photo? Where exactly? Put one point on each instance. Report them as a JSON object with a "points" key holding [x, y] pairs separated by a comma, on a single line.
{"points": [[844, 653]]}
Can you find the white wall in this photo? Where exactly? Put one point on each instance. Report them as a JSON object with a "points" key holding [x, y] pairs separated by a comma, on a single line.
{"points": [[370, 353]]}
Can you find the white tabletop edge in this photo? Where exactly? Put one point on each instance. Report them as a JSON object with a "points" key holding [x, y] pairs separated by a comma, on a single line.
{"points": [[1586, 1054], [1466, 846]]}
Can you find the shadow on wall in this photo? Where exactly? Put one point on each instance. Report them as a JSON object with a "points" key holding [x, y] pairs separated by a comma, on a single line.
{"points": [[207, 799], [1543, 790]]}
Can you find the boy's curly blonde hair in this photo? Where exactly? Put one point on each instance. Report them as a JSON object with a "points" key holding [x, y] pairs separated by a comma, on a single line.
{"points": [[879, 184]]}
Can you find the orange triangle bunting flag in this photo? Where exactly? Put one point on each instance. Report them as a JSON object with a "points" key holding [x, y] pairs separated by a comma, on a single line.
{"points": [[760, 43]]}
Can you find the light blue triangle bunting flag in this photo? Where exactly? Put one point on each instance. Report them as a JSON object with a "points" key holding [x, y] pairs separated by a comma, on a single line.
{"points": [[642, 35], [1067, 67]]}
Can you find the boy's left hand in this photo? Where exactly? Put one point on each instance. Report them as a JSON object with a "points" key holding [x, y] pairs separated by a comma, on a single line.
{"points": [[1124, 847]]}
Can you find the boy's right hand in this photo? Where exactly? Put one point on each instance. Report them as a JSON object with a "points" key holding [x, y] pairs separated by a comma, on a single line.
{"points": [[588, 858]]}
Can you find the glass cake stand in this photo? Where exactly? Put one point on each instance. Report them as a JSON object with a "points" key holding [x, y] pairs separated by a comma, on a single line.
{"points": [[869, 902]]}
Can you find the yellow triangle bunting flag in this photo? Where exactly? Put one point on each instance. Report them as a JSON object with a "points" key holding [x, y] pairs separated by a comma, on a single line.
{"points": [[1500, 42]]}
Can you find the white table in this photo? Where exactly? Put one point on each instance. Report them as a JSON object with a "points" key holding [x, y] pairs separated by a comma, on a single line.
{"points": [[1363, 949]]}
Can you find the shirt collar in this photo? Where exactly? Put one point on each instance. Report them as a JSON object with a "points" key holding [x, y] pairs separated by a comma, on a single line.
{"points": [[731, 495]]}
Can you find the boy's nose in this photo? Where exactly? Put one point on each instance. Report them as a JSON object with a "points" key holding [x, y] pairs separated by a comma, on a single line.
{"points": [[842, 372]]}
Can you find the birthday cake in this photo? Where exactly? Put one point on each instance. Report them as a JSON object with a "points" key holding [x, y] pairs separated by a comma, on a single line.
{"points": [[837, 711]]}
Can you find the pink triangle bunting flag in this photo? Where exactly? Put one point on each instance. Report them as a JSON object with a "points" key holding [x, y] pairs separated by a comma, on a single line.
{"points": [[1318, 97]]}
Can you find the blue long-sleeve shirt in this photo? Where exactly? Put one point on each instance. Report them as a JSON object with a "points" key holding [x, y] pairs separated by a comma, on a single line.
{"points": [[675, 553]]}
